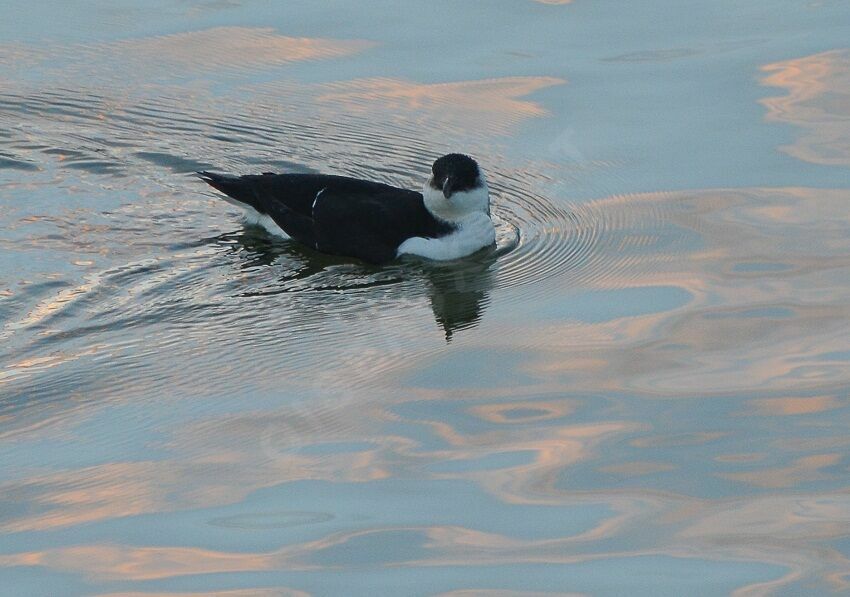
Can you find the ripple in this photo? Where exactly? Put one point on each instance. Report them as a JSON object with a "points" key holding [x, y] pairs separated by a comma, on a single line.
{"points": [[578, 244], [10, 162], [210, 301]]}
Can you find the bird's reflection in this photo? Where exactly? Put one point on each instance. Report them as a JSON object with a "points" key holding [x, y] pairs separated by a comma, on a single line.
{"points": [[458, 290]]}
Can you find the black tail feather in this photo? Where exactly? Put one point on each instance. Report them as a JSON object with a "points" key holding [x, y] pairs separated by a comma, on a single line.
{"points": [[218, 181], [232, 186], [244, 190]]}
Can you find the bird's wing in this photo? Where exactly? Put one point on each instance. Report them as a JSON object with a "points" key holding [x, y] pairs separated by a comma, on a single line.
{"points": [[368, 222], [298, 191]]}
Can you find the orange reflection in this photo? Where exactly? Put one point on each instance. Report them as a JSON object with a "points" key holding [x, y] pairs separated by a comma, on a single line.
{"points": [[46, 362], [18, 55], [795, 406], [668, 440], [753, 339], [221, 461], [776, 517], [505, 593], [234, 47], [275, 592], [50, 306], [817, 88], [741, 457], [114, 562], [722, 339], [492, 103], [127, 489], [801, 470], [205, 50], [522, 412]]}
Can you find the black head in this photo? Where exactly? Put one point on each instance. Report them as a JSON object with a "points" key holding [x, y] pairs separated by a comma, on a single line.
{"points": [[453, 173]]}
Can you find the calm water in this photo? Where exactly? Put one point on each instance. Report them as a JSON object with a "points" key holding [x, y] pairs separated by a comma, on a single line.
{"points": [[643, 390]]}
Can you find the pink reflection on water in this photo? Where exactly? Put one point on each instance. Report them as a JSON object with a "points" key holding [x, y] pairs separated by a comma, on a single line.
{"points": [[818, 87], [494, 104], [226, 48]]}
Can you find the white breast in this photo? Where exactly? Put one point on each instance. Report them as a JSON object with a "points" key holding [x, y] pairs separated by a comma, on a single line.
{"points": [[474, 232]]}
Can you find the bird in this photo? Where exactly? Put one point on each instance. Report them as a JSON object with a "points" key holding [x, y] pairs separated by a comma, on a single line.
{"points": [[370, 221]]}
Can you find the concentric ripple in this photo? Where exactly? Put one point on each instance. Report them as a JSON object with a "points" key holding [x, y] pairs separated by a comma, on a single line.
{"points": [[170, 269]]}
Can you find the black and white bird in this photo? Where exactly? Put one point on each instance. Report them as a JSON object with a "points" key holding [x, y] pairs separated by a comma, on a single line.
{"points": [[371, 221]]}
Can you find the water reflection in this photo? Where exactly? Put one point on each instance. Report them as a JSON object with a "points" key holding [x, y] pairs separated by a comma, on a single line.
{"points": [[222, 49], [497, 105], [817, 87], [634, 392], [457, 291]]}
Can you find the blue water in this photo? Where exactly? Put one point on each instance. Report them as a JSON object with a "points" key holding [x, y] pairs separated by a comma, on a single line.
{"points": [[642, 390]]}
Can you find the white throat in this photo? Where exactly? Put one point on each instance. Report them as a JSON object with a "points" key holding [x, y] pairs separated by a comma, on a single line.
{"points": [[461, 204]]}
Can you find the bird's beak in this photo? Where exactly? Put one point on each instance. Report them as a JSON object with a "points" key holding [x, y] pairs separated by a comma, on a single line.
{"points": [[448, 187]]}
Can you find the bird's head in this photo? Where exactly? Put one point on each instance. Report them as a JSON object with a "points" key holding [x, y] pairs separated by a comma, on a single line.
{"points": [[456, 188]]}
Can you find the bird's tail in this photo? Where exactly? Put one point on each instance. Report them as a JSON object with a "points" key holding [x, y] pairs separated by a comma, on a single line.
{"points": [[232, 186]]}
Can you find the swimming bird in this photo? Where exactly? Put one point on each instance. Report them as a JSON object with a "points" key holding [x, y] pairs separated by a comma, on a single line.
{"points": [[368, 220]]}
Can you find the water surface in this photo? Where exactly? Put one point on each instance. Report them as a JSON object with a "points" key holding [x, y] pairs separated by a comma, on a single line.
{"points": [[643, 389]]}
